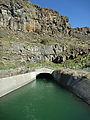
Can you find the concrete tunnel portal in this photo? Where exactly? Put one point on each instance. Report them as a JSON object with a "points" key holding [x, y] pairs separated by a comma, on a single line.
{"points": [[47, 76]]}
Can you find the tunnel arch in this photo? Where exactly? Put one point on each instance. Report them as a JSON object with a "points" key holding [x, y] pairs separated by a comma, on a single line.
{"points": [[47, 76]]}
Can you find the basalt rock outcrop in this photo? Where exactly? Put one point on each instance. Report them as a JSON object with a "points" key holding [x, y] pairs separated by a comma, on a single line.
{"points": [[15, 52], [81, 33], [21, 15], [31, 34]]}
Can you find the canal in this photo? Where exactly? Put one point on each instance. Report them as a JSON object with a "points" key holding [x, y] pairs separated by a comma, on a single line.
{"points": [[43, 100]]}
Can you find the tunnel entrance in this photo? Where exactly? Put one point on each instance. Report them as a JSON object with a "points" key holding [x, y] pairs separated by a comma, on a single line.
{"points": [[45, 76]]}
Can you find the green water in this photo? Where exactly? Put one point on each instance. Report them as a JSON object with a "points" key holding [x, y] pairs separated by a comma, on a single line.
{"points": [[43, 100]]}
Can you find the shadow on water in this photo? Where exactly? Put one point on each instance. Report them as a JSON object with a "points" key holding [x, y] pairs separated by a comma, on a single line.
{"points": [[48, 78]]}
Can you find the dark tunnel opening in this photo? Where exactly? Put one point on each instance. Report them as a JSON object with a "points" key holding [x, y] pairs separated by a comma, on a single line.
{"points": [[45, 76]]}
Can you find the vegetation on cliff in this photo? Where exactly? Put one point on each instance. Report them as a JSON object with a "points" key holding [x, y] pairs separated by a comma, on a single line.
{"points": [[30, 35]]}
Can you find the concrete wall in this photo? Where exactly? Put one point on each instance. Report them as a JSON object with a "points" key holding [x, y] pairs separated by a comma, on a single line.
{"points": [[10, 84], [44, 70]]}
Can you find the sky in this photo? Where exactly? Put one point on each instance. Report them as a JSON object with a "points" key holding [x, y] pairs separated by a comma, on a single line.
{"points": [[78, 11]]}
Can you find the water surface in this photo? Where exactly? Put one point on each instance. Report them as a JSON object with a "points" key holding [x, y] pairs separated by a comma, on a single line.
{"points": [[43, 100]]}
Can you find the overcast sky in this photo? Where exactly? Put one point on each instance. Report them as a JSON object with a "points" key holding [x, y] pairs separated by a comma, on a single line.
{"points": [[78, 11]]}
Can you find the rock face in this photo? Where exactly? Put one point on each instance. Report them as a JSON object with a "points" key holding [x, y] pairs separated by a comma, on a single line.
{"points": [[13, 51], [77, 82], [21, 15], [81, 33], [23, 23]]}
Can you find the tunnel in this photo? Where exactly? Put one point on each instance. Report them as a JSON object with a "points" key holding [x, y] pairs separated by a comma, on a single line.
{"points": [[47, 76]]}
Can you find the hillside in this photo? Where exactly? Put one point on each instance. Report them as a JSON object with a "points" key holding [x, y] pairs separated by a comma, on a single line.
{"points": [[30, 34]]}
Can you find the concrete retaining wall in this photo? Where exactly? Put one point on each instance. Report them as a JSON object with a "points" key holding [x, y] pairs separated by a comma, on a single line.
{"points": [[10, 84]]}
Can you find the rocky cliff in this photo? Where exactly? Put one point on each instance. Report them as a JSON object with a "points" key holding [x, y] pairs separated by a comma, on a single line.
{"points": [[21, 15], [81, 33], [31, 34]]}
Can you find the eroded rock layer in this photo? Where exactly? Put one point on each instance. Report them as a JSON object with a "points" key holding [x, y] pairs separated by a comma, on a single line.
{"points": [[31, 34], [21, 15]]}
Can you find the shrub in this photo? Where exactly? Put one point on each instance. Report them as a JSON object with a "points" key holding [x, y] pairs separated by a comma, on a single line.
{"points": [[44, 41]]}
